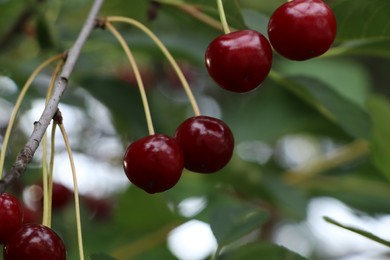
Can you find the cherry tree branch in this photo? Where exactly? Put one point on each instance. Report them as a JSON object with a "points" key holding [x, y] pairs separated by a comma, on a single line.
{"points": [[26, 154]]}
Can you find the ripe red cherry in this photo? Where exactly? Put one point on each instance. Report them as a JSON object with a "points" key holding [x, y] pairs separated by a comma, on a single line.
{"points": [[11, 216], [34, 242], [154, 163], [207, 143], [239, 61], [302, 29]]}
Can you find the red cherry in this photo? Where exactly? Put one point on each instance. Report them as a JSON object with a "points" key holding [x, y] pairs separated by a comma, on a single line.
{"points": [[34, 242], [61, 196], [239, 61], [207, 143], [302, 29], [154, 163], [11, 216]]}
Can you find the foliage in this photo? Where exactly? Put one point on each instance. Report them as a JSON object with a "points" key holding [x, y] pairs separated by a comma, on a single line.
{"points": [[340, 98]]}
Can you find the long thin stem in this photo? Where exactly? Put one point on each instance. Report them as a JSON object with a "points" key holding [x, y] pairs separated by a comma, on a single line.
{"points": [[137, 74], [51, 167], [76, 193], [17, 106], [167, 54], [26, 154], [47, 181], [222, 16]]}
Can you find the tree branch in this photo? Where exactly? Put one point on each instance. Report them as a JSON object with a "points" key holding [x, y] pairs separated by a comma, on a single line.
{"points": [[26, 154]]}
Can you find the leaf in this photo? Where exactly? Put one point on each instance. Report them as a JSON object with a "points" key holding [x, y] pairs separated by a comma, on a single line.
{"points": [[363, 27], [362, 19], [380, 141], [336, 72], [359, 231], [349, 116], [369, 47], [101, 256], [230, 223], [261, 251]]}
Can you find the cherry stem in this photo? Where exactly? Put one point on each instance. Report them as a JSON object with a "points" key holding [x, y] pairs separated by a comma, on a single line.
{"points": [[222, 17], [75, 187], [167, 54], [137, 74], [47, 178], [17, 106], [51, 168]]}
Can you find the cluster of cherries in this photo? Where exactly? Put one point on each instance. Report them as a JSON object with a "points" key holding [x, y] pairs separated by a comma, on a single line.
{"points": [[238, 61], [201, 144], [26, 240], [298, 30]]}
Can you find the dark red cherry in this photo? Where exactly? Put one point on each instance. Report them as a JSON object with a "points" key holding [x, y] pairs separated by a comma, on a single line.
{"points": [[154, 163], [11, 216], [302, 29], [207, 143], [239, 61], [61, 196], [34, 242]]}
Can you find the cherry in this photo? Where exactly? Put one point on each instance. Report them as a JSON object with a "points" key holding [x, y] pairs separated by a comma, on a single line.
{"points": [[11, 216], [207, 143], [239, 61], [154, 163], [34, 242], [302, 29], [61, 196]]}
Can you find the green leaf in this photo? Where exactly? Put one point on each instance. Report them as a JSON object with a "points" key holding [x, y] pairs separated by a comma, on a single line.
{"points": [[380, 142], [261, 251], [230, 223], [347, 77], [352, 118], [359, 231], [101, 256], [367, 47], [362, 19]]}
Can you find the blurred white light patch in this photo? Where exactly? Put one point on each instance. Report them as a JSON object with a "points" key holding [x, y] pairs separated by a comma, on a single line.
{"points": [[193, 240], [209, 106], [333, 242], [7, 86], [295, 150], [94, 177], [254, 151], [74, 119], [192, 206]]}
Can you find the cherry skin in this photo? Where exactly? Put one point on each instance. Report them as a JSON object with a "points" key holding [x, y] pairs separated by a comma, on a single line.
{"points": [[34, 242], [11, 216], [207, 143], [302, 29], [239, 61], [154, 163]]}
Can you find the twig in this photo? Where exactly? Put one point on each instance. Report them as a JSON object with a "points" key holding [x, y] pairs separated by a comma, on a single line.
{"points": [[26, 154]]}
